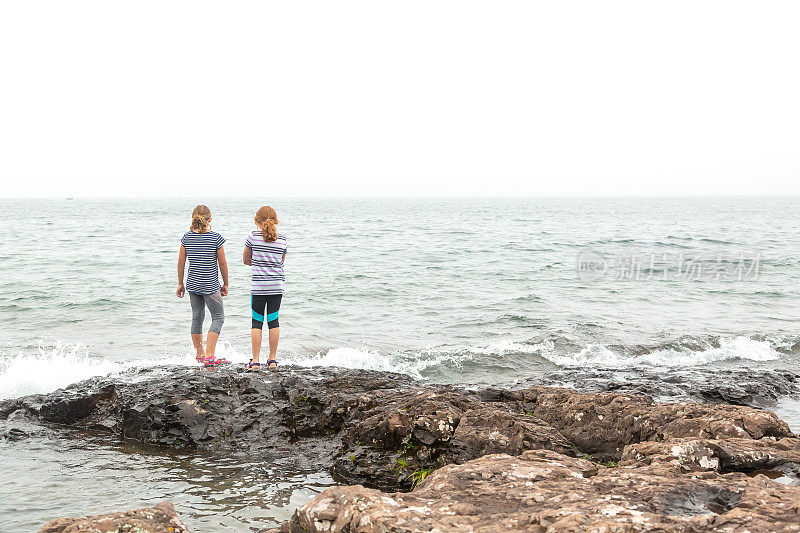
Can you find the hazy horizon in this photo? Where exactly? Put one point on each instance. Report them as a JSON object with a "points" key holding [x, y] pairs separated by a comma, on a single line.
{"points": [[389, 197]]}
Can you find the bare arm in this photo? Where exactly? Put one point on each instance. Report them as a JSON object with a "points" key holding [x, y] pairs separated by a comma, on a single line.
{"points": [[247, 256], [223, 268], [181, 269]]}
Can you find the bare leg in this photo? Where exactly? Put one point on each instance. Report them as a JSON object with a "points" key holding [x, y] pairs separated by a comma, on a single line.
{"points": [[255, 340], [274, 335], [197, 340], [211, 343]]}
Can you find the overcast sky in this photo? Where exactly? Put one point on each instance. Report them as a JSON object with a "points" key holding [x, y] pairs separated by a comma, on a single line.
{"points": [[170, 98]]}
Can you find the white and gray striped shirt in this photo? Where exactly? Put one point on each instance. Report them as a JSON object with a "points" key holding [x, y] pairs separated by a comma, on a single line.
{"points": [[267, 267]]}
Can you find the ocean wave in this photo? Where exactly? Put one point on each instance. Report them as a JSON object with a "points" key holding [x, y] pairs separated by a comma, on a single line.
{"points": [[49, 368], [58, 366], [410, 363], [55, 367], [743, 348], [47, 371]]}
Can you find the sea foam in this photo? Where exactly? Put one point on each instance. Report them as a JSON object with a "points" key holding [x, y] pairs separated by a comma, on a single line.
{"points": [[51, 368], [596, 355], [409, 363], [63, 364], [47, 371]]}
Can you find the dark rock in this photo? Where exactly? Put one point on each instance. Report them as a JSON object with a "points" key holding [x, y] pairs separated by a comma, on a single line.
{"points": [[19, 425], [71, 408], [390, 432], [160, 518], [485, 429], [398, 437], [751, 387]]}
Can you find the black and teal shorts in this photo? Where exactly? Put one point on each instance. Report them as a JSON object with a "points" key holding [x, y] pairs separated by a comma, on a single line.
{"points": [[265, 309]]}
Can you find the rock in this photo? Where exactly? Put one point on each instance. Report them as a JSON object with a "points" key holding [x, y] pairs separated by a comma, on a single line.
{"points": [[486, 430], [751, 387], [494, 460], [602, 424], [220, 410], [542, 490], [160, 518], [19, 425], [741, 455], [690, 454], [383, 430], [399, 437]]}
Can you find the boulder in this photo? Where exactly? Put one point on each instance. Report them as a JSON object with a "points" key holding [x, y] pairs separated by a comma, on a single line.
{"points": [[160, 518], [750, 387], [485, 429], [534, 459], [398, 438], [726, 455], [542, 490], [601, 424]]}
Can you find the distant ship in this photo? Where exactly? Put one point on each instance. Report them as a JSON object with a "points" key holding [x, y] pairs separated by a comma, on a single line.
{"points": [[70, 197]]}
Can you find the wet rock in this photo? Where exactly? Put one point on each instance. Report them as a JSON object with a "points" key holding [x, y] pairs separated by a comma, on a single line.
{"points": [[486, 430], [752, 387], [76, 405], [402, 436], [542, 490], [19, 425], [376, 429], [160, 518], [222, 409], [740, 455], [787, 473], [602, 424]]}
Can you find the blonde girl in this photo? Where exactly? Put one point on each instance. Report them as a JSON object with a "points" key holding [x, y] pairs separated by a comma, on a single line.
{"points": [[206, 254], [265, 252]]}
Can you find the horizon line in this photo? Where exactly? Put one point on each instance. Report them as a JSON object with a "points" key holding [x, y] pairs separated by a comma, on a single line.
{"points": [[400, 197]]}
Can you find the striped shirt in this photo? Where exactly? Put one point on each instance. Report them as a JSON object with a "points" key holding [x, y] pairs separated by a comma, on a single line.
{"points": [[267, 268], [201, 250]]}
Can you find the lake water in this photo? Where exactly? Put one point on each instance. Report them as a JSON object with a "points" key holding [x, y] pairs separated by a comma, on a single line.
{"points": [[456, 290]]}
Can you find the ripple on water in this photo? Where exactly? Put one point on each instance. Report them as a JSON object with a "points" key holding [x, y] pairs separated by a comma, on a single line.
{"points": [[83, 476]]}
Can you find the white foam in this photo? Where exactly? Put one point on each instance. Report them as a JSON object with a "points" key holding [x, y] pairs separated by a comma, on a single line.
{"points": [[47, 371], [52, 368], [508, 346], [365, 359], [595, 355]]}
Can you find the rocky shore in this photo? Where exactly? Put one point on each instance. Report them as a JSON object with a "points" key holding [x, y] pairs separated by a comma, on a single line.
{"points": [[415, 457]]}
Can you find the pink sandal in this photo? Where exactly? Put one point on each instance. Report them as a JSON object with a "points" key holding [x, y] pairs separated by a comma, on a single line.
{"points": [[212, 361]]}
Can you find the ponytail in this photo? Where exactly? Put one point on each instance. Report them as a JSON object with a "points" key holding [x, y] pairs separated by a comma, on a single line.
{"points": [[269, 231], [201, 218], [266, 219]]}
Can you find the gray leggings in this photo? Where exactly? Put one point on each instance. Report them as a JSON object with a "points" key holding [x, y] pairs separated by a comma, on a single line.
{"points": [[214, 303]]}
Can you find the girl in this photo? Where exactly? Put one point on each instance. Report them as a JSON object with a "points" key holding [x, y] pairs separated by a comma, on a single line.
{"points": [[265, 251], [206, 254]]}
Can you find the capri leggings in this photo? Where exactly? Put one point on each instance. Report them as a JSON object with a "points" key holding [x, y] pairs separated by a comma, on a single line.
{"points": [[214, 303], [265, 309]]}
